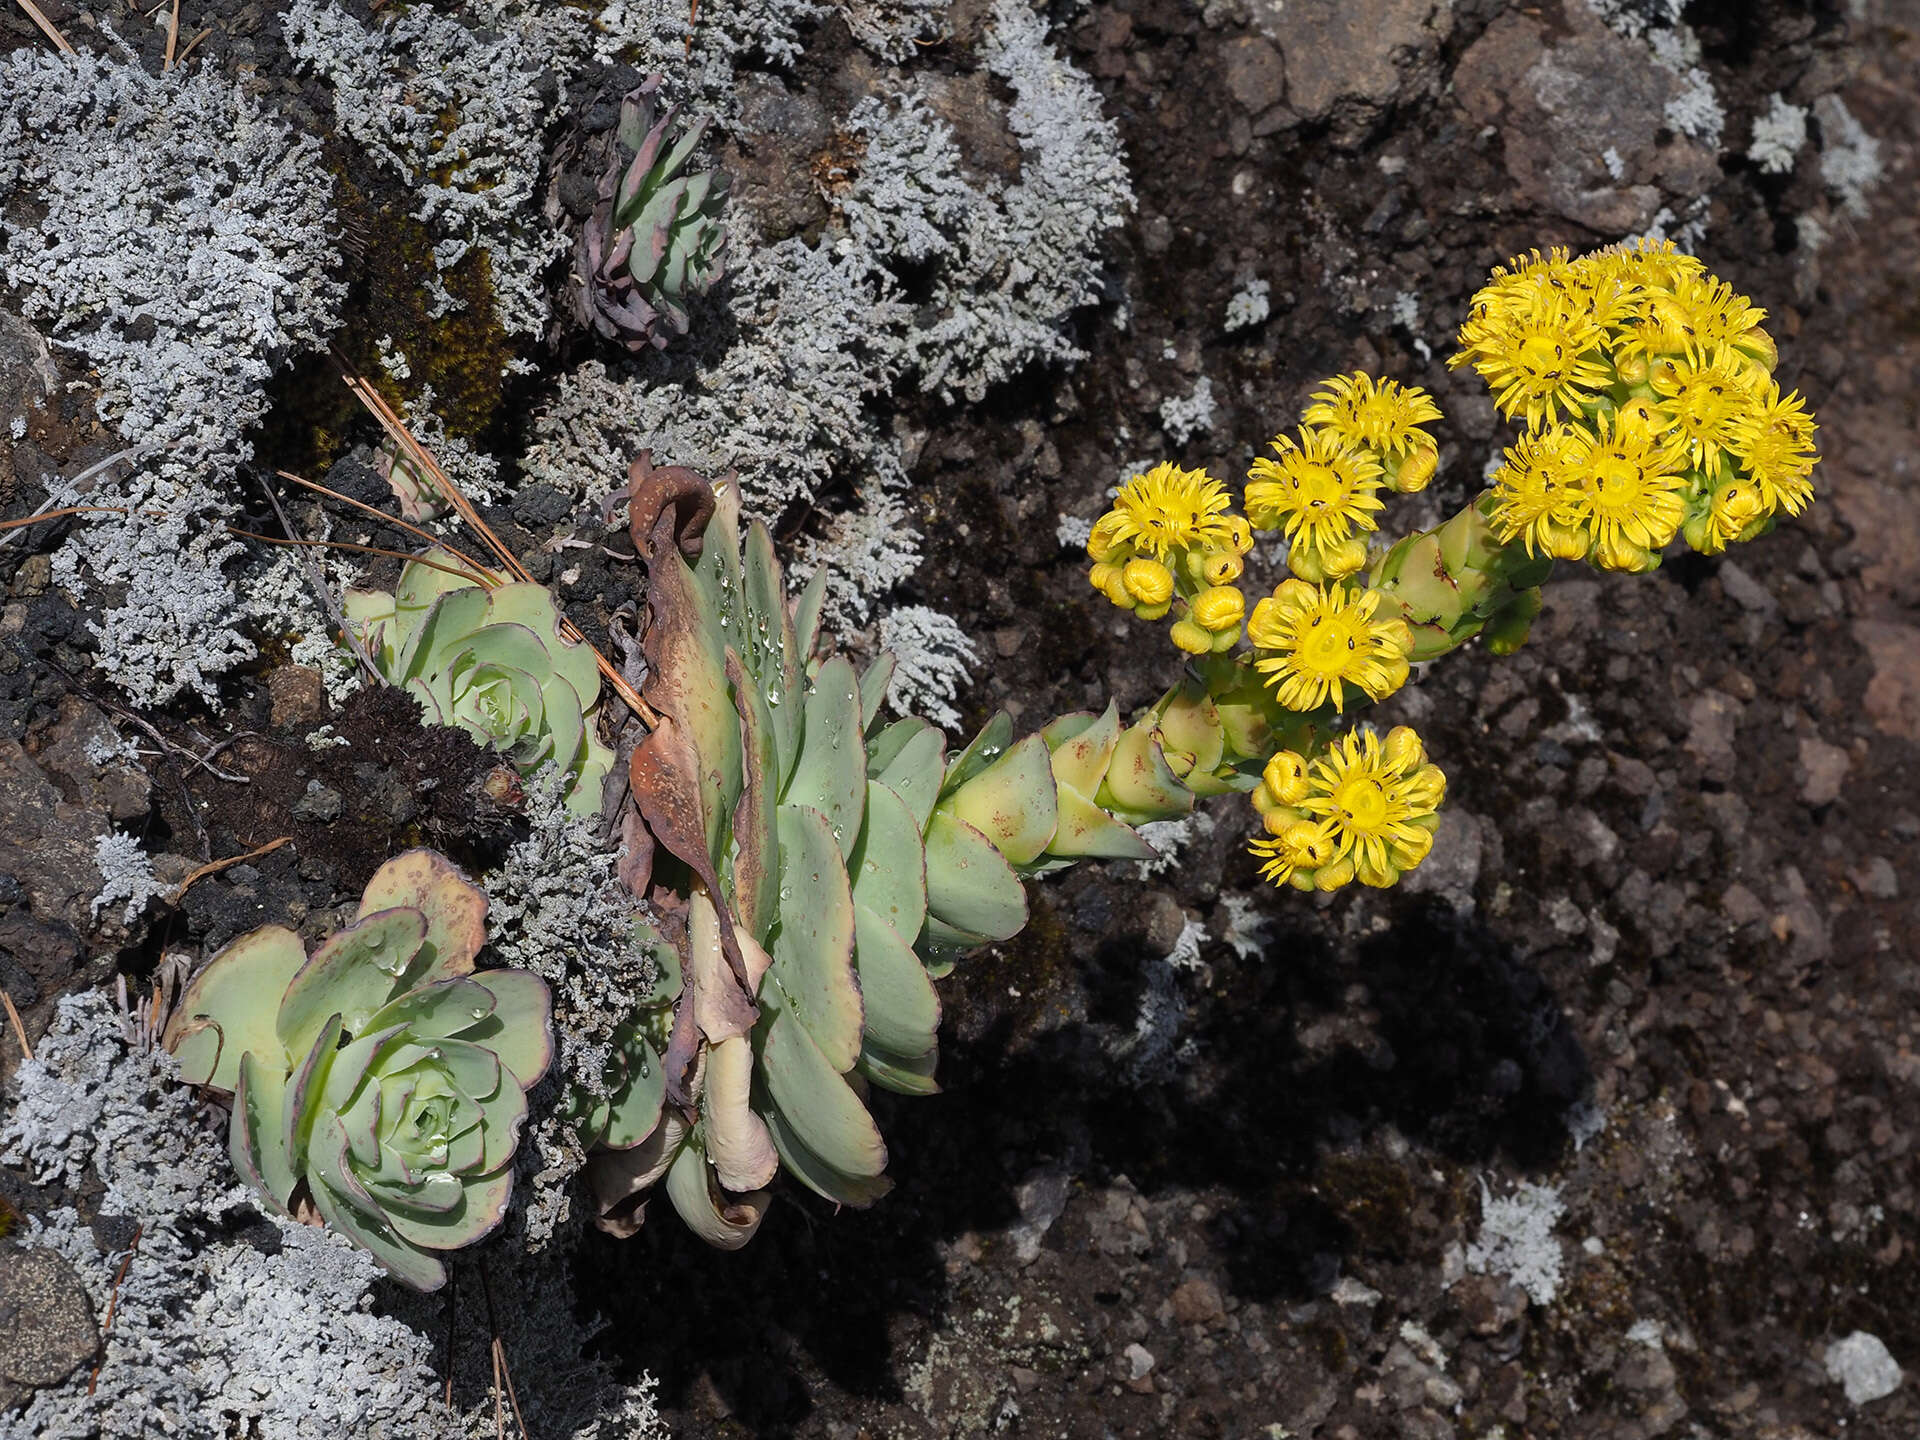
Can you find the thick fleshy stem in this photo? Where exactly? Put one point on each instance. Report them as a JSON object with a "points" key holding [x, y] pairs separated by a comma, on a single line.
{"points": [[1460, 579]]}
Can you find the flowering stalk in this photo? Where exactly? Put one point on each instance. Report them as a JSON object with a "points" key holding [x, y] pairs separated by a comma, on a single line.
{"points": [[1650, 413]]}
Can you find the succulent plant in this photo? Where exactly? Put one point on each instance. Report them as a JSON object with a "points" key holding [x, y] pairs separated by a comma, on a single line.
{"points": [[656, 235], [830, 868], [495, 663], [379, 1081]]}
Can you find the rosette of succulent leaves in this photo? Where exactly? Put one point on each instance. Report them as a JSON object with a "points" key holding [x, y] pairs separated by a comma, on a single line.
{"points": [[378, 1083], [655, 238]]}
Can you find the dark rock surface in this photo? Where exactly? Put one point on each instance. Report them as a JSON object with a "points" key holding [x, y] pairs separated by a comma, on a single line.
{"points": [[1662, 961]]}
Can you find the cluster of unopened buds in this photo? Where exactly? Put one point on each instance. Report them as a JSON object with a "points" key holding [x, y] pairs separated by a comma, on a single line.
{"points": [[1645, 391]]}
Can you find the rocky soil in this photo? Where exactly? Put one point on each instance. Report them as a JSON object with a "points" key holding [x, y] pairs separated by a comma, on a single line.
{"points": [[1604, 1124]]}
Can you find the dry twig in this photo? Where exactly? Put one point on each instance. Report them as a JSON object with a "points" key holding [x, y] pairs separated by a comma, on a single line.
{"points": [[214, 867], [173, 38], [46, 26], [19, 1030], [113, 1303]]}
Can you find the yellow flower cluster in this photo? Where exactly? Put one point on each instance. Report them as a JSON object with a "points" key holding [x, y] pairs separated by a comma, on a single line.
{"points": [[1169, 542], [1314, 642], [1363, 811], [1322, 491], [1650, 408]]}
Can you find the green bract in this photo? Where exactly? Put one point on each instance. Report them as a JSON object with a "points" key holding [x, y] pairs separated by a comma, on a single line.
{"points": [[492, 662], [655, 237], [379, 1080], [835, 867]]}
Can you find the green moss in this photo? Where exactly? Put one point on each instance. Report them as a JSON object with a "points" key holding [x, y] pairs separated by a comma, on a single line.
{"points": [[1375, 1197], [461, 355]]}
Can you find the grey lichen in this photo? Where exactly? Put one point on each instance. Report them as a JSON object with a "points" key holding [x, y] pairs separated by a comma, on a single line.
{"points": [[126, 873], [822, 330], [226, 1322], [555, 908], [180, 242], [1013, 263], [933, 659], [457, 110]]}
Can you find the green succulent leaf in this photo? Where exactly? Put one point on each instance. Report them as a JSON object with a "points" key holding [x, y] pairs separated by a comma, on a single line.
{"points": [[806, 620], [888, 866], [909, 757], [981, 751], [973, 896], [771, 650], [873, 687], [812, 972], [831, 775], [814, 1103], [351, 976], [299, 1111], [256, 1139], [755, 867], [902, 1012], [634, 1110], [898, 1073], [806, 1166], [1010, 801], [454, 907], [229, 1008], [724, 1221], [519, 1027]]}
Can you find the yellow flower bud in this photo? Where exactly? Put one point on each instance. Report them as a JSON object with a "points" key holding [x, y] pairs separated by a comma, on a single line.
{"points": [[1563, 542], [1416, 469], [1632, 369], [1116, 589], [1239, 534], [1379, 876], [1148, 581], [1765, 351], [1190, 637], [1218, 608], [1221, 567], [1285, 778], [1311, 845], [1426, 788], [1616, 552], [1413, 847], [1403, 748], [1332, 877], [1305, 561], [1736, 505], [1102, 575], [1347, 558]]}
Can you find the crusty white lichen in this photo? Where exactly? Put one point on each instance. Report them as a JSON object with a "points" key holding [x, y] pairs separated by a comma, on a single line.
{"points": [[1777, 136], [933, 659], [1012, 263], [180, 242], [126, 873], [457, 107], [226, 1322], [555, 907]]}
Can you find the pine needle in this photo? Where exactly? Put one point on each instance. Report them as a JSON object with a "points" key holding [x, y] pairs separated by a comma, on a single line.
{"points": [[113, 1303], [46, 26], [422, 459], [19, 1030]]}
